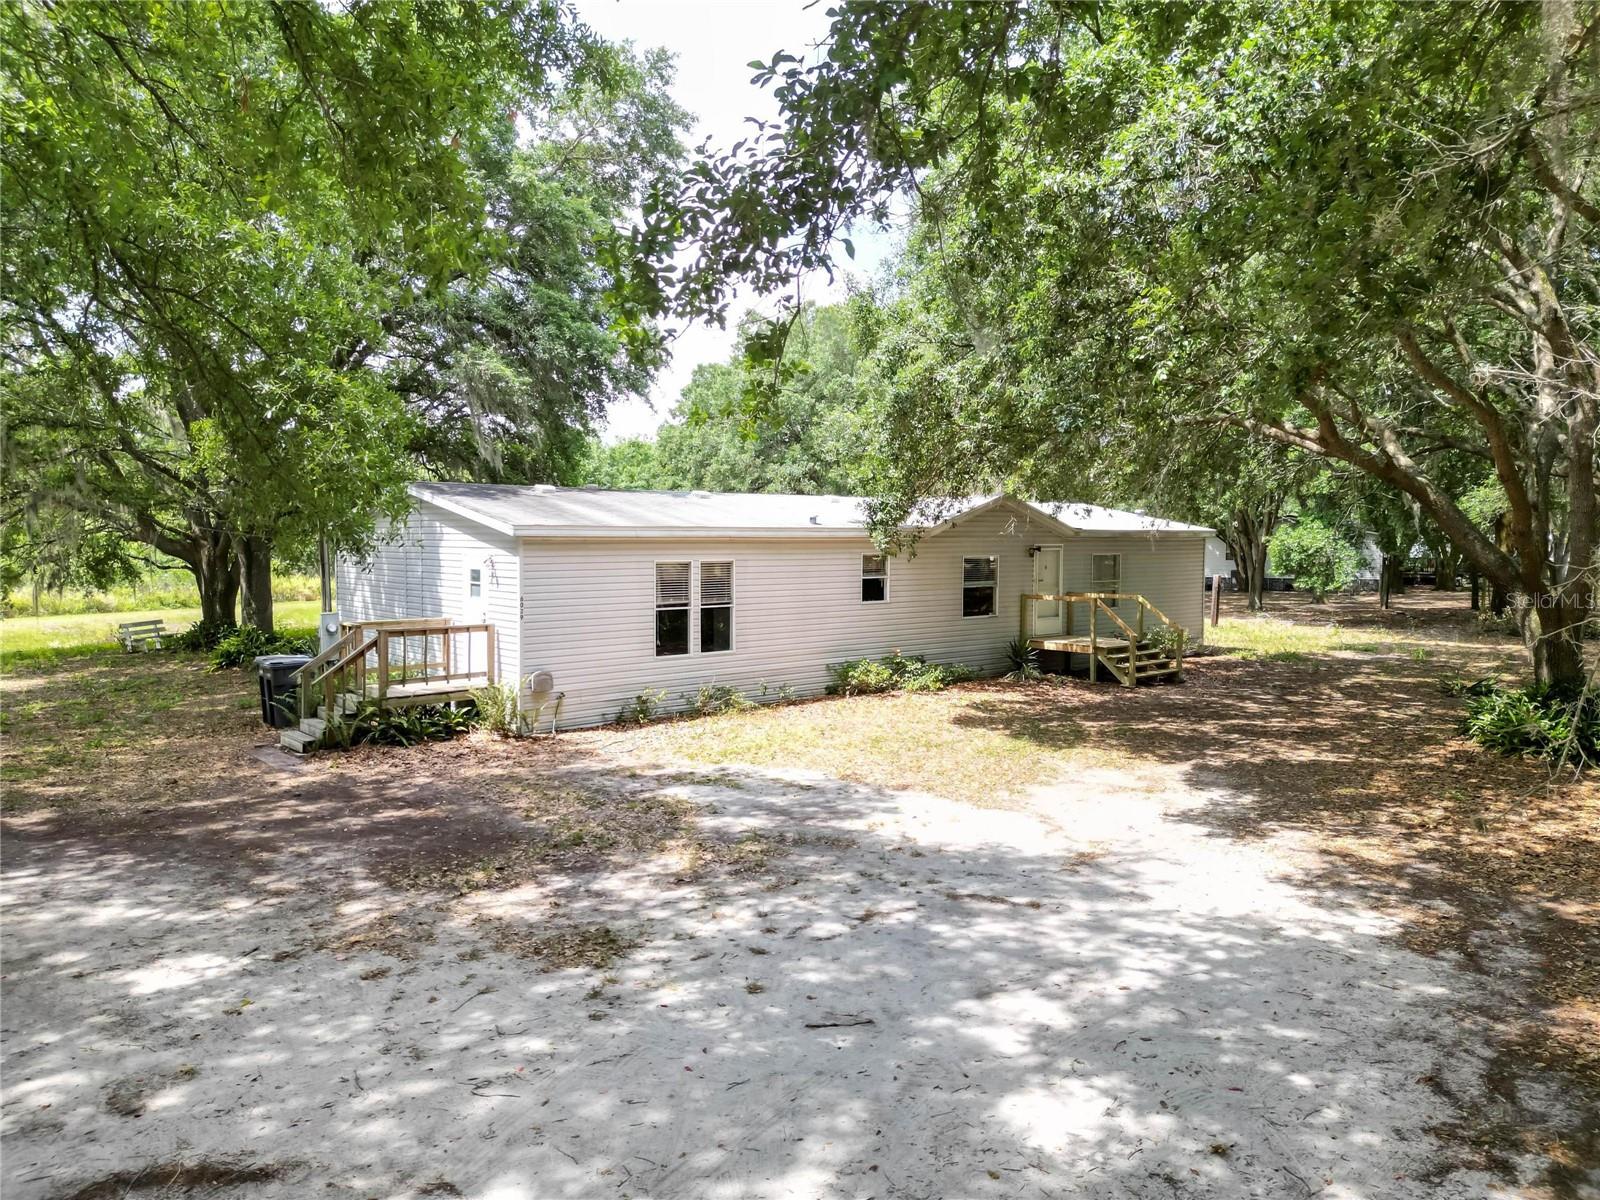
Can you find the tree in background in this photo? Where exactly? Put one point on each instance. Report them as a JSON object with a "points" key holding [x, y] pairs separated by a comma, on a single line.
{"points": [[508, 371], [1364, 233], [809, 435], [216, 220], [1320, 557]]}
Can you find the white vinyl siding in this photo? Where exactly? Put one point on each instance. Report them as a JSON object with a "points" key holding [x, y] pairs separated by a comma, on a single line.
{"points": [[797, 607], [1167, 571], [424, 568]]}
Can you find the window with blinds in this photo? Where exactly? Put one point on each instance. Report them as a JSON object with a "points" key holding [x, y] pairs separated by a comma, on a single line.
{"points": [[978, 578], [716, 607], [874, 578], [672, 608], [1105, 571]]}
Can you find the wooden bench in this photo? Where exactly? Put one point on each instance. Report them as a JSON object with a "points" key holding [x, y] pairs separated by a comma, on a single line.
{"points": [[141, 635]]}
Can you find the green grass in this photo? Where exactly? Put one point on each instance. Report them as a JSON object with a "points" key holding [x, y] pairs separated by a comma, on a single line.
{"points": [[161, 591], [1273, 640], [45, 639], [971, 743]]}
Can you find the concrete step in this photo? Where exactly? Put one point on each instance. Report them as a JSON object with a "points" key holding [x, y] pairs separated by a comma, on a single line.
{"points": [[315, 726], [297, 742]]}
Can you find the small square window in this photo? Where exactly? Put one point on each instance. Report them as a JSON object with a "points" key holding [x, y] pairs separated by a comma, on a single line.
{"points": [[475, 582], [874, 578], [978, 579]]}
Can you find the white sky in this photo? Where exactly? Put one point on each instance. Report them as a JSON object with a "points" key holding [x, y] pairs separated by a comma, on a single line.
{"points": [[714, 41]]}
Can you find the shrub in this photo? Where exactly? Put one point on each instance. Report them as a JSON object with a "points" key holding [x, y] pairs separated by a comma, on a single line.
{"points": [[496, 705], [1320, 560], [643, 707], [715, 698], [399, 726], [1539, 721], [1167, 639], [894, 672], [202, 635], [1024, 660], [861, 677], [240, 646]]}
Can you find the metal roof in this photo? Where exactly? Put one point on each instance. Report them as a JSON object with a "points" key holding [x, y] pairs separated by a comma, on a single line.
{"points": [[541, 510]]}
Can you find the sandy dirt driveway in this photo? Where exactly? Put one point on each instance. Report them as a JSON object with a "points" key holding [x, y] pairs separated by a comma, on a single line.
{"points": [[836, 992]]}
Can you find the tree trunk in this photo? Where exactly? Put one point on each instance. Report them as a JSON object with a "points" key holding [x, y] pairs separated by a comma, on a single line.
{"points": [[1499, 599], [255, 569], [1391, 578], [1552, 629], [216, 573], [1448, 566], [1258, 574]]}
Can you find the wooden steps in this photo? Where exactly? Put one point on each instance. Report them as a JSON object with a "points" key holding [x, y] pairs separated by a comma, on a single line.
{"points": [[1130, 658]]}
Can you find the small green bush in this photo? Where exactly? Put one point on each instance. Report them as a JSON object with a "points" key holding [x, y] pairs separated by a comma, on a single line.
{"points": [[202, 635], [1167, 639], [715, 698], [642, 708], [861, 677], [400, 726], [240, 647], [894, 672], [1024, 660], [497, 709], [1538, 721]]}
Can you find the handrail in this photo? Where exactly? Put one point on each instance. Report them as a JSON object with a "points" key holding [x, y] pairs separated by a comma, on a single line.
{"points": [[348, 660], [354, 658], [384, 622], [323, 656], [1126, 628]]}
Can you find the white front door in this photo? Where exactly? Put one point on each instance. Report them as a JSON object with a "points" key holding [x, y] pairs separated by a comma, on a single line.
{"points": [[474, 605], [1047, 614]]}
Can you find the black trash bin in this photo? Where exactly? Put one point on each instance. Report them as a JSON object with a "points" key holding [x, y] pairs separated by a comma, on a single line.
{"points": [[279, 702]]}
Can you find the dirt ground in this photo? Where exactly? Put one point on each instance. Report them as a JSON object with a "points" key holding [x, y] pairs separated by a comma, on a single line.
{"points": [[1272, 932]]}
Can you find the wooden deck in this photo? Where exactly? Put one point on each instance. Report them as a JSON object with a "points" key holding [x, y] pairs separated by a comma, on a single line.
{"points": [[432, 690], [390, 664], [1080, 644], [1130, 659]]}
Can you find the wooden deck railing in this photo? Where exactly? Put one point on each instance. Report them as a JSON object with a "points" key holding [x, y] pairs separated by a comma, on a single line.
{"points": [[371, 657], [443, 654], [1098, 604]]}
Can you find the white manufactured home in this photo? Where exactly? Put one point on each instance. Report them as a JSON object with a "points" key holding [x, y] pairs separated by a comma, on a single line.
{"points": [[615, 593]]}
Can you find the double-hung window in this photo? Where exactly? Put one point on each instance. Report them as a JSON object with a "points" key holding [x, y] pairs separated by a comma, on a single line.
{"points": [[1105, 571], [977, 587], [475, 582], [874, 578], [716, 607], [672, 608]]}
